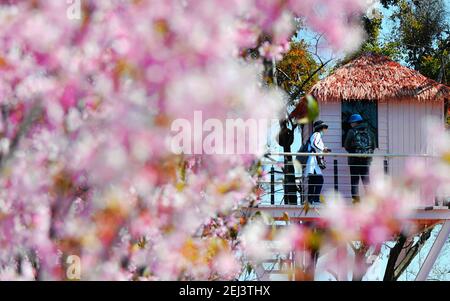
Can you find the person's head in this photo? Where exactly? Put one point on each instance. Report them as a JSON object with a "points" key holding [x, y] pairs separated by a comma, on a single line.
{"points": [[355, 120], [320, 126]]}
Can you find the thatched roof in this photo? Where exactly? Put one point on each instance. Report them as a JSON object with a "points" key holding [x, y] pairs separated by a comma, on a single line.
{"points": [[376, 77]]}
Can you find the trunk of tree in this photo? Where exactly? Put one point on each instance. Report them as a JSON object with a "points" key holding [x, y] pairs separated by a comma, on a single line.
{"points": [[289, 185], [403, 253]]}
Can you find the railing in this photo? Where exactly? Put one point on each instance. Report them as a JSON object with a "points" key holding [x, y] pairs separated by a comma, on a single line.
{"points": [[284, 178], [286, 182]]}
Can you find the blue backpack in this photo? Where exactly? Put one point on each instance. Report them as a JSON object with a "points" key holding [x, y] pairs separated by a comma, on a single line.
{"points": [[304, 149]]}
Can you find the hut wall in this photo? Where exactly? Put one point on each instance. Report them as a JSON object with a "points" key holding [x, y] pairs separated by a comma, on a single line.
{"points": [[330, 112], [406, 125], [400, 131], [406, 120]]}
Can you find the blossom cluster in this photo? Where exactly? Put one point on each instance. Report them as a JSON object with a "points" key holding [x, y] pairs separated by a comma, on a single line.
{"points": [[86, 106]]}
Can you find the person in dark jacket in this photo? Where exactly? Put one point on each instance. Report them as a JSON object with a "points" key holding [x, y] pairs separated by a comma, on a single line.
{"points": [[359, 140], [285, 139]]}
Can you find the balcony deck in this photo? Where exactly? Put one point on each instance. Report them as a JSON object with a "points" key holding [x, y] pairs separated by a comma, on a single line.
{"points": [[437, 210], [423, 215]]}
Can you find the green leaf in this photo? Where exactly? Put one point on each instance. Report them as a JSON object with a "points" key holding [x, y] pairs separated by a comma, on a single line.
{"points": [[312, 108]]}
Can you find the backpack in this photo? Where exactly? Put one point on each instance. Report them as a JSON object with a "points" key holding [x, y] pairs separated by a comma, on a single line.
{"points": [[362, 142], [304, 149]]}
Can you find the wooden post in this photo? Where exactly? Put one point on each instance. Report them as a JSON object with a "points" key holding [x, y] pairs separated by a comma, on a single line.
{"points": [[386, 166], [336, 178], [272, 185], [433, 254]]}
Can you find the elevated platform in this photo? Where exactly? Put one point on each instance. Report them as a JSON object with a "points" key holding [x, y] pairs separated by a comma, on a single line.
{"points": [[423, 217], [284, 181]]}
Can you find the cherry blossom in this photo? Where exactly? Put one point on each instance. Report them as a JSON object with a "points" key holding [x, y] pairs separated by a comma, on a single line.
{"points": [[87, 101]]}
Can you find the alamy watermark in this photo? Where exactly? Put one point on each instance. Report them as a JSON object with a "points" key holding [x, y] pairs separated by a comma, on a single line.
{"points": [[74, 11], [73, 269], [75, 8], [218, 136]]}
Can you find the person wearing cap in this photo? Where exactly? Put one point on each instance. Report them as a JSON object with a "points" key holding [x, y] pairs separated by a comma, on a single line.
{"points": [[359, 140], [313, 166]]}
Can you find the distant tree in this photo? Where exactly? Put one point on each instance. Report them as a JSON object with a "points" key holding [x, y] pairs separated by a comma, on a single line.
{"points": [[297, 71], [388, 3], [372, 23], [295, 74], [422, 30], [420, 37]]}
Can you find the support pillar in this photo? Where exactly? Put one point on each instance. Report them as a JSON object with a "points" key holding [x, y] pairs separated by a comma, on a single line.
{"points": [[434, 252]]}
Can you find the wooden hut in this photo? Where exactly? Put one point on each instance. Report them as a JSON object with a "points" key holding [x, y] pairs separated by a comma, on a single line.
{"points": [[393, 99]]}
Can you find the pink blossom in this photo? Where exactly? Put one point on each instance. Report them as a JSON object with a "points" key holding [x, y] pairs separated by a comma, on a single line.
{"points": [[92, 100]]}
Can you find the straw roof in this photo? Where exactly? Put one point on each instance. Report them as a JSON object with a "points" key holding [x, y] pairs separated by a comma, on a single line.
{"points": [[376, 77]]}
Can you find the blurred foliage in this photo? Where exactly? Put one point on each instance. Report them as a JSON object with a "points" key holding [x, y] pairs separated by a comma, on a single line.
{"points": [[310, 110]]}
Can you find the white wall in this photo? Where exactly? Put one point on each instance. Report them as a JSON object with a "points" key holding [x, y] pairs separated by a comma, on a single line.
{"points": [[407, 133], [400, 131], [330, 113]]}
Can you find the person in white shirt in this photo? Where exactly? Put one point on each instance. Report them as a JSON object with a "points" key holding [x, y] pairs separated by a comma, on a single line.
{"points": [[315, 164]]}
